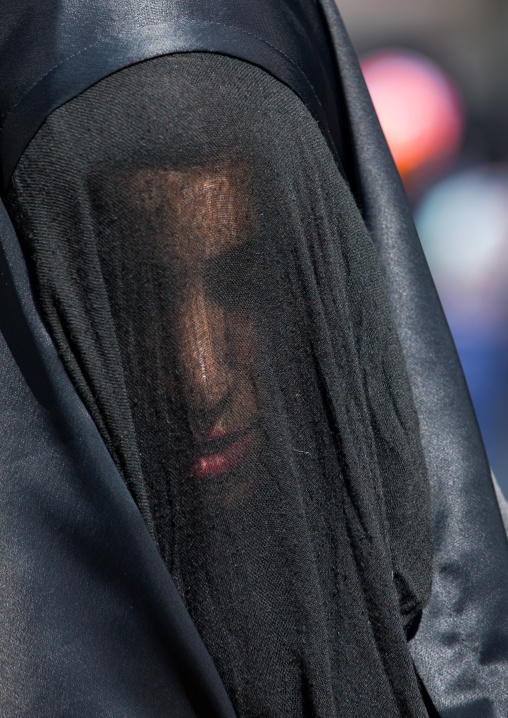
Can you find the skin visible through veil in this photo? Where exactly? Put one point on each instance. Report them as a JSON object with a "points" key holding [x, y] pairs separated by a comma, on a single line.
{"points": [[206, 220], [218, 304]]}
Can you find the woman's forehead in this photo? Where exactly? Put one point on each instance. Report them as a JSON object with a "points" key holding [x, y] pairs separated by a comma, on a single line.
{"points": [[205, 210]]}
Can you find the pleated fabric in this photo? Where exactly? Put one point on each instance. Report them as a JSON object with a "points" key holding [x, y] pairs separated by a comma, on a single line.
{"points": [[218, 304]]}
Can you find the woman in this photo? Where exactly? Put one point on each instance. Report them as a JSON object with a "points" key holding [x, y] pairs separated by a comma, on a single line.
{"points": [[218, 306]]}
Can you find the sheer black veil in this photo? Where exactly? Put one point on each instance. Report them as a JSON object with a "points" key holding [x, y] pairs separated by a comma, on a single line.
{"points": [[218, 303], [91, 628]]}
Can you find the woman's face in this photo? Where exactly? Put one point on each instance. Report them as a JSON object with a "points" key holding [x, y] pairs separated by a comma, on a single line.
{"points": [[201, 220]]}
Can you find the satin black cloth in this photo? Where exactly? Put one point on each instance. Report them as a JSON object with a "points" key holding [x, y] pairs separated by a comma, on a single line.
{"points": [[49, 52], [220, 308]]}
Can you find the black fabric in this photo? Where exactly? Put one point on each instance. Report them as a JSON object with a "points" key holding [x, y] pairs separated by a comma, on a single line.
{"points": [[92, 624], [461, 649], [217, 302], [52, 50]]}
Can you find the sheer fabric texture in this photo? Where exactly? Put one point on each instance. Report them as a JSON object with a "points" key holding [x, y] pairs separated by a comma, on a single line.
{"points": [[217, 302]]}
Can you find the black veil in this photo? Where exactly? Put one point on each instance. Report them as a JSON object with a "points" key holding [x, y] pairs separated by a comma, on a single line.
{"points": [[89, 628], [217, 301]]}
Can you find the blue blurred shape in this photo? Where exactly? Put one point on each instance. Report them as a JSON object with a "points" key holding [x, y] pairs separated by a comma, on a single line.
{"points": [[463, 225]]}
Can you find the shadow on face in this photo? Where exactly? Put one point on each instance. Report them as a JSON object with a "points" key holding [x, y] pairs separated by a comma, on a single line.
{"points": [[200, 225]]}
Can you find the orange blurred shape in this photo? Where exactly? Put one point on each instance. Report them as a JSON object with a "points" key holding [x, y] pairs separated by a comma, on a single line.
{"points": [[419, 110]]}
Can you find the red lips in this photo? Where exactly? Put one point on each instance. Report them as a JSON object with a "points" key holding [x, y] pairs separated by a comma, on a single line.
{"points": [[221, 452]]}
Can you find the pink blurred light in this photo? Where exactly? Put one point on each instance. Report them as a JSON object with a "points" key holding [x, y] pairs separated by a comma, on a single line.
{"points": [[419, 110]]}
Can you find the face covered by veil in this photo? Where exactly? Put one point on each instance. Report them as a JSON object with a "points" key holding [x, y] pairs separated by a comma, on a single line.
{"points": [[217, 302]]}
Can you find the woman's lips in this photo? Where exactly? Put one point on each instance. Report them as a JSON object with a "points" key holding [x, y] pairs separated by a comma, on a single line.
{"points": [[221, 452]]}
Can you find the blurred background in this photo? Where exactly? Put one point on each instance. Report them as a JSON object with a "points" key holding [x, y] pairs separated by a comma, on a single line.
{"points": [[437, 71]]}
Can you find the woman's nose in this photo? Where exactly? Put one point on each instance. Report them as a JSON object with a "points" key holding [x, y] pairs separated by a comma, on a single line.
{"points": [[203, 349]]}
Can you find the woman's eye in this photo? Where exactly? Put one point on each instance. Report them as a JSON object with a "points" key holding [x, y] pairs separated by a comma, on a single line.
{"points": [[236, 275]]}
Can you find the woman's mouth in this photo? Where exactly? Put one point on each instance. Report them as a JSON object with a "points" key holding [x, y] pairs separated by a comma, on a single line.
{"points": [[220, 452]]}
